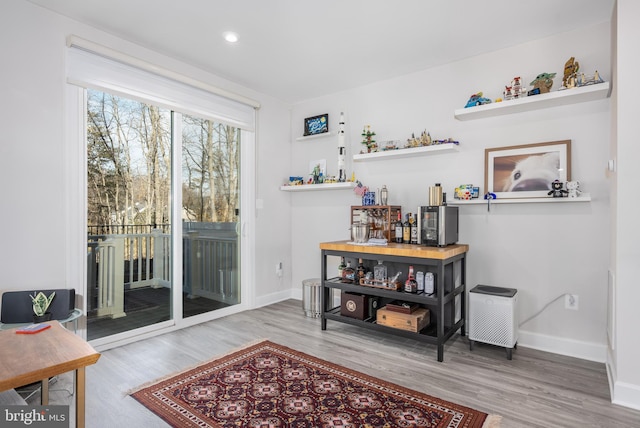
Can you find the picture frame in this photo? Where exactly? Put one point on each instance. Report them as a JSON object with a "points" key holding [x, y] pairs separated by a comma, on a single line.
{"points": [[316, 125], [526, 171]]}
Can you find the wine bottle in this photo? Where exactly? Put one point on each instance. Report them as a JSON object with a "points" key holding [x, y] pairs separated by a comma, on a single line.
{"points": [[341, 267], [360, 271], [406, 231], [399, 228], [414, 229]]}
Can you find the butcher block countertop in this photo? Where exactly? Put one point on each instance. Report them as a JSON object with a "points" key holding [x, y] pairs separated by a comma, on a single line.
{"points": [[394, 249]]}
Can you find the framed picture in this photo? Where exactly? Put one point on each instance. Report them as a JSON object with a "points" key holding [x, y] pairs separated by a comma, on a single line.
{"points": [[316, 125], [526, 171]]}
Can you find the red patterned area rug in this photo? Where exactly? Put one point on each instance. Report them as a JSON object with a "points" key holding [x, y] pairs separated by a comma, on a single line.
{"points": [[270, 386]]}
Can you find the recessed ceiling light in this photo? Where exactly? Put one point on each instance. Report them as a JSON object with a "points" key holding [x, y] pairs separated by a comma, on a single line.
{"points": [[230, 36]]}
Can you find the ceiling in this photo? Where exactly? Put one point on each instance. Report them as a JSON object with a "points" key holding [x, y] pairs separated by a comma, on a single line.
{"points": [[296, 50]]}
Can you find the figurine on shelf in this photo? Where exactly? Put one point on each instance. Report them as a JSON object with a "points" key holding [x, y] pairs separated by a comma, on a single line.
{"points": [[477, 100], [517, 89], [413, 141], [556, 189], [425, 138], [571, 68], [507, 93], [585, 80], [543, 82], [573, 189], [367, 139]]}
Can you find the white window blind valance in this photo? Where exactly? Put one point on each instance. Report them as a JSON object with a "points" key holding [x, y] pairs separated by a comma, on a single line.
{"points": [[97, 67]]}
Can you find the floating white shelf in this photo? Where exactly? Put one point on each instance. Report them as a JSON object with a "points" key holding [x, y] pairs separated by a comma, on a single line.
{"points": [[585, 197], [536, 102], [405, 153], [312, 187], [313, 137]]}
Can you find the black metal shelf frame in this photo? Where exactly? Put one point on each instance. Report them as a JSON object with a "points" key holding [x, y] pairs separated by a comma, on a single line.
{"points": [[442, 304]]}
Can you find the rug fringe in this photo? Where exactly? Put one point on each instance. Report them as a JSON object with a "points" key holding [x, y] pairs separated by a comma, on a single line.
{"points": [[492, 421], [196, 365]]}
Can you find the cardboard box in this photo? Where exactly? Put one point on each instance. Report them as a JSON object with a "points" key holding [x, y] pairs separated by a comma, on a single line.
{"points": [[415, 321], [354, 305]]}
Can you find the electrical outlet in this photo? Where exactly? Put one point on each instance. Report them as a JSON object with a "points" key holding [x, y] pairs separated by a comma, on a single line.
{"points": [[279, 269], [571, 301]]}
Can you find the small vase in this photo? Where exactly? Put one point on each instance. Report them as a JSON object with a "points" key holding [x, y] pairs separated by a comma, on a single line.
{"points": [[42, 318]]}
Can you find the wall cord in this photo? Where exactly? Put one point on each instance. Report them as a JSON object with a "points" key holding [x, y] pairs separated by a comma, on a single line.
{"points": [[542, 310]]}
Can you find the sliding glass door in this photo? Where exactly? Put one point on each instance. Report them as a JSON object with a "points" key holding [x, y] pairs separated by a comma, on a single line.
{"points": [[132, 151], [210, 202]]}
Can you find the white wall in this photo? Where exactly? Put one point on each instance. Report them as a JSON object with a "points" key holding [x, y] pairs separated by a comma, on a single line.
{"points": [[543, 250], [32, 176], [624, 351]]}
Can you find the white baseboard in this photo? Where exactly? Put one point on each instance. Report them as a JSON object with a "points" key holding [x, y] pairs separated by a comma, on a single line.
{"points": [[272, 298], [622, 393], [563, 346], [626, 394]]}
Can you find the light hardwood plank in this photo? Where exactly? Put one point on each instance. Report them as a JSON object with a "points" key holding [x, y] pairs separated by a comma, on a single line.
{"points": [[535, 389]]}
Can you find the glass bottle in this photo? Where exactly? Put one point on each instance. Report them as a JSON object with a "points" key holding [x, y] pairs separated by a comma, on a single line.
{"points": [[380, 272], [341, 267], [399, 228], [406, 231], [410, 285], [414, 229], [360, 271], [349, 273]]}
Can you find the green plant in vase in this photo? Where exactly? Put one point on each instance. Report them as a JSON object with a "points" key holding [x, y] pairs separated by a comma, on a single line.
{"points": [[41, 304]]}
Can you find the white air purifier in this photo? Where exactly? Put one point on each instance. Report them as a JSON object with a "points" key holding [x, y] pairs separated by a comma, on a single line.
{"points": [[492, 317]]}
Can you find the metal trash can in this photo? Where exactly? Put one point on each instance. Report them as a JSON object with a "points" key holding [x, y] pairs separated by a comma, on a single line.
{"points": [[311, 297]]}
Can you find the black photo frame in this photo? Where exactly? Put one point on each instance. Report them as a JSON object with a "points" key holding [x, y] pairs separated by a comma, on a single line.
{"points": [[316, 125]]}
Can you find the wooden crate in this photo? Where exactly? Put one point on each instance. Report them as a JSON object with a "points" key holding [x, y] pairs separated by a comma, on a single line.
{"points": [[414, 321], [382, 219]]}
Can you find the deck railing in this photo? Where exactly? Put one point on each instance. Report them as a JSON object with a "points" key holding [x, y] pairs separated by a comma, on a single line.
{"points": [[117, 262]]}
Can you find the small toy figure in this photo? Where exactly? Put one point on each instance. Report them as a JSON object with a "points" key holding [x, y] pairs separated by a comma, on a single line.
{"points": [[507, 93], [556, 189], [573, 188], [571, 68], [516, 88], [477, 100], [543, 82], [368, 140]]}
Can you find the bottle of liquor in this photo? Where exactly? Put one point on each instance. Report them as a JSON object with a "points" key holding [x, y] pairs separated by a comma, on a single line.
{"points": [[411, 285], [399, 228], [349, 273], [360, 271], [380, 272], [341, 267], [406, 231], [414, 229]]}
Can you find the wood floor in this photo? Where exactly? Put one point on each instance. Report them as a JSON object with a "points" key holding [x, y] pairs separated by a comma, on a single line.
{"points": [[535, 389]]}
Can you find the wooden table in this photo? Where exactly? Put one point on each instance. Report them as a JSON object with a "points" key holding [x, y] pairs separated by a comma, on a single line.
{"points": [[29, 358]]}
